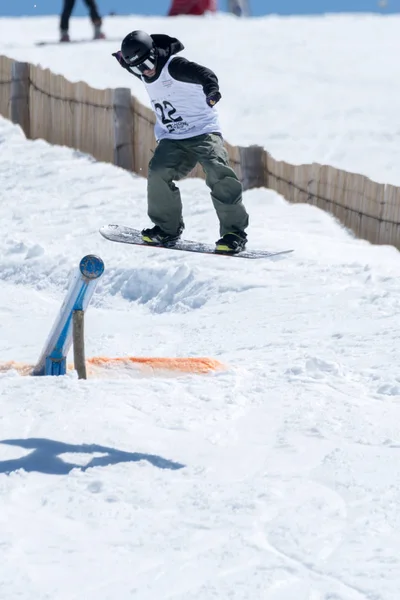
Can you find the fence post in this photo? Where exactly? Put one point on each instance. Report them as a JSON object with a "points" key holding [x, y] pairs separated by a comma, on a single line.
{"points": [[123, 128], [252, 167], [19, 101]]}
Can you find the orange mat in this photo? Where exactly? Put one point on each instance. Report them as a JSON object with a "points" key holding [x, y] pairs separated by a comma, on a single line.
{"points": [[201, 365], [185, 365]]}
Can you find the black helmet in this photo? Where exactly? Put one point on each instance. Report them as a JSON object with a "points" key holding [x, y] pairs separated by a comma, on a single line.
{"points": [[139, 52]]}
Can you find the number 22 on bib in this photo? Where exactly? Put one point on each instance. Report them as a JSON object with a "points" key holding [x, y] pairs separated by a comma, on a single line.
{"points": [[181, 109]]}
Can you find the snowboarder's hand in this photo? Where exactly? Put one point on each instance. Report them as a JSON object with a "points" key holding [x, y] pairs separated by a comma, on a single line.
{"points": [[120, 59], [213, 98]]}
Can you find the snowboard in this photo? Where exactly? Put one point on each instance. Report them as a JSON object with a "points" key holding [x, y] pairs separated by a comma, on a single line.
{"points": [[78, 41], [127, 235]]}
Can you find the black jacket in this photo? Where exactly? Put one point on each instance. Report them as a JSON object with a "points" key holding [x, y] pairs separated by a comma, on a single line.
{"points": [[180, 68]]}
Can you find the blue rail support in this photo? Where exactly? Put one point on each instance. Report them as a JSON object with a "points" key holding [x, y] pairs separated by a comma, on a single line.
{"points": [[53, 359]]}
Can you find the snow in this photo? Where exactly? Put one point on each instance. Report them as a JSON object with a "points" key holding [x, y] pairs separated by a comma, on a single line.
{"points": [[276, 477]]}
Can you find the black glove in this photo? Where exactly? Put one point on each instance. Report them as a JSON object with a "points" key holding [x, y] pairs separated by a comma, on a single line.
{"points": [[120, 59], [213, 98]]}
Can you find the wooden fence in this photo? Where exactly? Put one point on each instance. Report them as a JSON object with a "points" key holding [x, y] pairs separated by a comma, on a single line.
{"points": [[115, 127]]}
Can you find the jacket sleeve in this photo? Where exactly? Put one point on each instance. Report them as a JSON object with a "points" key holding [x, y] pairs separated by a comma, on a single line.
{"points": [[182, 69]]}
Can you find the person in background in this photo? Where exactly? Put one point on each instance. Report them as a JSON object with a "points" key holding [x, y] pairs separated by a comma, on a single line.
{"points": [[94, 16], [235, 7], [191, 7], [183, 96], [240, 8]]}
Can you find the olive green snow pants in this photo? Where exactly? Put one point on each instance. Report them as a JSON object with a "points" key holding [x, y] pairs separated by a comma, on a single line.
{"points": [[173, 160]]}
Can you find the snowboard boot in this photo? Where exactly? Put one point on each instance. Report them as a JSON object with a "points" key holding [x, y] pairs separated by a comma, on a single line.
{"points": [[64, 36], [231, 242], [98, 34], [155, 236]]}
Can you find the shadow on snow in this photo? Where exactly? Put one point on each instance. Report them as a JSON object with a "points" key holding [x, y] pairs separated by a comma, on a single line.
{"points": [[45, 458]]}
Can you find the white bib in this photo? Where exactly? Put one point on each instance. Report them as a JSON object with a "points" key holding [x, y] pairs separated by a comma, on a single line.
{"points": [[181, 108]]}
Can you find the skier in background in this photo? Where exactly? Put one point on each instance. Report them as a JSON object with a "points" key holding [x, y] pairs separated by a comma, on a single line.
{"points": [[94, 16], [183, 96]]}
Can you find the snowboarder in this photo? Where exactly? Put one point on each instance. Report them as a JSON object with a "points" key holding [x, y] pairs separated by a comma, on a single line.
{"points": [[94, 16], [183, 96]]}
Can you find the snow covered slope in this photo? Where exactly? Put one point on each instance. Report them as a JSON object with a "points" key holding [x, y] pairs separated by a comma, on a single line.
{"points": [[276, 478]]}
